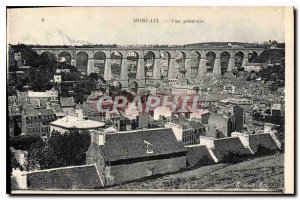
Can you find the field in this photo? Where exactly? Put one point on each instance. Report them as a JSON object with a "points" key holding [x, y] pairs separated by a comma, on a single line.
{"points": [[260, 173]]}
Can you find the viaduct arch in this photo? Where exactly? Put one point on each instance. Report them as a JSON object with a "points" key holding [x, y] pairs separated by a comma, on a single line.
{"points": [[150, 65]]}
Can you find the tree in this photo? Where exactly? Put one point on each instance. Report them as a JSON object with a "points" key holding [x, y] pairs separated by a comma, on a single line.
{"points": [[93, 76], [42, 156], [80, 92], [257, 116], [59, 151], [235, 72], [23, 142], [263, 151]]}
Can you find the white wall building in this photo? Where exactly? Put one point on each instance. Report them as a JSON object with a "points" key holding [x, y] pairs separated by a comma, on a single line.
{"points": [[253, 67], [68, 123]]}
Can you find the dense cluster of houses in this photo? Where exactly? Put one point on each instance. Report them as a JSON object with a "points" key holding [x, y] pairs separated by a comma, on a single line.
{"points": [[130, 145]]}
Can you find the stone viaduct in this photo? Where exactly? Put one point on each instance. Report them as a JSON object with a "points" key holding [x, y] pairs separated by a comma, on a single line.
{"points": [[172, 57]]}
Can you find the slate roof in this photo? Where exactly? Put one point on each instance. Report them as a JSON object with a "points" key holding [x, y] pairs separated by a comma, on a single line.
{"points": [[46, 111], [69, 122], [183, 122], [212, 96], [56, 108], [29, 111], [87, 109], [67, 102], [127, 145], [77, 177], [197, 153], [264, 140], [33, 112], [246, 108], [225, 145], [215, 97], [196, 125]]}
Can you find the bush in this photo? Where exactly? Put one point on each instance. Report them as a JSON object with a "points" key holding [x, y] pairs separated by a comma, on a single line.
{"points": [[234, 157], [203, 162], [264, 151], [23, 142]]}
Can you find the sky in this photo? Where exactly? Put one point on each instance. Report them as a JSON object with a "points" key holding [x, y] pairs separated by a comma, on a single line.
{"points": [[115, 25]]}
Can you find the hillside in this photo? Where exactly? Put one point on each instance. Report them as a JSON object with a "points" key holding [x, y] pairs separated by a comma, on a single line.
{"points": [[263, 173]]}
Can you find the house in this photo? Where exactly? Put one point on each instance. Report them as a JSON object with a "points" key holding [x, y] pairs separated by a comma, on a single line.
{"points": [[225, 123], [67, 105], [197, 115], [57, 110], [68, 123], [128, 122], [223, 146], [186, 131], [183, 90], [204, 117], [132, 155], [229, 88], [113, 119], [198, 155], [130, 119], [226, 119], [65, 178], [36, 122], [49, 95], [162, 111], [57, 78], [209, 99], [237, 101], [271, 128], [264, 140], [276, 109], [256, 67]]}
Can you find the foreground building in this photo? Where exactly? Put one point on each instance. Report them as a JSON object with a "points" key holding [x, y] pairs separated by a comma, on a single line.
{"points": [[64, 178], [132, 155]]}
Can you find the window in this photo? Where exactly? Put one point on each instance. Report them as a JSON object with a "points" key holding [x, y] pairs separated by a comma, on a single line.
{"points": [[149, 172], [149, 147], [194, 73]]}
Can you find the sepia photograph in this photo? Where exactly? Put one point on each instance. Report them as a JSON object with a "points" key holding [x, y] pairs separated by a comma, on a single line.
{"points": [[150, 100]]}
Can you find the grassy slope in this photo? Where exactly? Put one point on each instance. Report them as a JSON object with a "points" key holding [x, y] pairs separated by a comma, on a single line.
{"points": [[264, 173]]}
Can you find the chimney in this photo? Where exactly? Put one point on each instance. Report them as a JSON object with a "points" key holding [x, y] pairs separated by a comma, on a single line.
{"points": [[245, 140], [209, 142], [97, 137], [101, 139], [79, 113], [177, 130]]}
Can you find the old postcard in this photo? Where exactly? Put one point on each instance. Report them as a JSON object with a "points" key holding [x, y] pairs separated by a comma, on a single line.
{"points": [[150, 100]]}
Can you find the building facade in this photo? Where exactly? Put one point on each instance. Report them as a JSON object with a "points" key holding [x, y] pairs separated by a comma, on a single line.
{"points": [[133, 155]]}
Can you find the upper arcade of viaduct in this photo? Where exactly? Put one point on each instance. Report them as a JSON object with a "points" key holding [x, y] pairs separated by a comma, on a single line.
{"points": [[190, 71], [73, 51]]}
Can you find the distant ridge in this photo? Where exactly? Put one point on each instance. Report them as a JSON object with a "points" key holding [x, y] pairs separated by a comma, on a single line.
{"points": [[223, 44]]}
